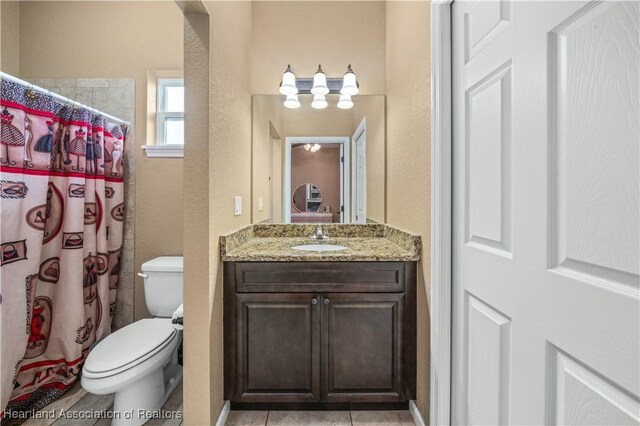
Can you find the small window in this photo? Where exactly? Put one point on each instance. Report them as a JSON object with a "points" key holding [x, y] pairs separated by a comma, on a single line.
{"points": [[170, 111]]}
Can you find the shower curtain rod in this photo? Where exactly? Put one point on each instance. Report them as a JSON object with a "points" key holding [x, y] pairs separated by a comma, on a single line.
{"points": [[61, 98]]}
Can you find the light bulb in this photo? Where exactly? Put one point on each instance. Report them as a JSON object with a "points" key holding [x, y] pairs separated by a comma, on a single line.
{"points": [[345, 102], [307, 146], [319, 83], [288, 84], [319, 102], [292, 102], [349, 83]]}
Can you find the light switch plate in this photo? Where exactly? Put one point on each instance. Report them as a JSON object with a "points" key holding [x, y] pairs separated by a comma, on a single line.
{"points": [[237, 209], [260, 204]]}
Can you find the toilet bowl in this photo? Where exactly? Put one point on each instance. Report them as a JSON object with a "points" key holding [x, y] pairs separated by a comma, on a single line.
{"points": [[139, 362]]}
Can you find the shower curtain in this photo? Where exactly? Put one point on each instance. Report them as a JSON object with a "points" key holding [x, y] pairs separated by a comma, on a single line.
{"points": [[62, 212]]}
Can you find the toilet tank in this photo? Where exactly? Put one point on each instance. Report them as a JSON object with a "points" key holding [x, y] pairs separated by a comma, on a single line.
{"points": [[163, 285]]}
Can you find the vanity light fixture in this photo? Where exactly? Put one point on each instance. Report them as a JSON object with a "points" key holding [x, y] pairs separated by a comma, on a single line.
{"points": [[319, 102], [288, 83], [319, 82], [345, 102], [349, 83], [319, 86], [292, 102]]}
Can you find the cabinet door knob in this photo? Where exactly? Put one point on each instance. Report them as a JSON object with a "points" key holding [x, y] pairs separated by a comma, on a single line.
{"points": [[314, 301], [326, 301]]}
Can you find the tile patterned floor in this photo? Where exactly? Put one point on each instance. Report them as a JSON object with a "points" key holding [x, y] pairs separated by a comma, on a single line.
{"points": [[78, 400], [319, 418]]}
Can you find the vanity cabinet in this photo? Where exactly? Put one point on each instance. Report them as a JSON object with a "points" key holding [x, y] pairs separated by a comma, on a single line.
{"points": [[320, 331], [277, 347], [362, 346]]}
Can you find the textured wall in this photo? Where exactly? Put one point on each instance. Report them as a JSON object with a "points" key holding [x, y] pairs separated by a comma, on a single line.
{"points": [[408, 150], [306, 33], [197, 252], [229, 176], [10, 37], [122, 43]]}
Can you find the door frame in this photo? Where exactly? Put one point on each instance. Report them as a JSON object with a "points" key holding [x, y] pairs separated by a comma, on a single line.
{"points": [[441, 212], [345, 172], [362, 129]]}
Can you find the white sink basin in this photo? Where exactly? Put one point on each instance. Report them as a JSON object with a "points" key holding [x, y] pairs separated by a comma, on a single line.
{"points": [[319, 247]]}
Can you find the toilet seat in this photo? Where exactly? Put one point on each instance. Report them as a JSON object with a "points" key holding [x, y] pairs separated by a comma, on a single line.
{"points": [[129, 347]]}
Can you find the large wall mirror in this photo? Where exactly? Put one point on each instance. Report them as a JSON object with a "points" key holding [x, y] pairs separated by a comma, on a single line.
{"points": [[318, 166]]}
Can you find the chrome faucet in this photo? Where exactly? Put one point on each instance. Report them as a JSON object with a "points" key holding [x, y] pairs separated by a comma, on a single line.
{"points": [[319, 234]]}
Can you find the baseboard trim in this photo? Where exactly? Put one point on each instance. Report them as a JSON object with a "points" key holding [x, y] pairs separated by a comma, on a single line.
{"points": [[415, 413], [319, 406], [222, 419]]}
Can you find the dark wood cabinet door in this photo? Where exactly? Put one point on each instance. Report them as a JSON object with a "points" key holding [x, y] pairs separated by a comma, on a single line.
{"points": [[362, 347], [278, 347]]}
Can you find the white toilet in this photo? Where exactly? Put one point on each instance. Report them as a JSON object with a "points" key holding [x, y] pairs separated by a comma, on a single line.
{"points": [[139, 362]]}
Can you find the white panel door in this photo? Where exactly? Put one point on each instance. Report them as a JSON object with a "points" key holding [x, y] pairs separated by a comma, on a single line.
{"points": [[546, 212], [359, 170], [275, 177], [344, 171]]}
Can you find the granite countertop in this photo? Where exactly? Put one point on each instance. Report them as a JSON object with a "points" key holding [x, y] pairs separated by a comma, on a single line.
{"points": [[272, 243]]}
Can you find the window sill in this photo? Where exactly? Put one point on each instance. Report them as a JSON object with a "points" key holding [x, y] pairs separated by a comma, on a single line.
{"points": [[164, 151]]}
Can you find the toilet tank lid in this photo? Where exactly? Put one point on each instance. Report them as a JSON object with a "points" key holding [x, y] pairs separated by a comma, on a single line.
{"points": [[164, 264]]}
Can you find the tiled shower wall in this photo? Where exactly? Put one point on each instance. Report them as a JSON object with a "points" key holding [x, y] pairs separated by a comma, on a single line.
{"points": [[114, 96]]}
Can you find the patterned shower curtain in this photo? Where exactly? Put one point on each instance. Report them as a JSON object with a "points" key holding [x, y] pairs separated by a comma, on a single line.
{"points": [[62, 212]]}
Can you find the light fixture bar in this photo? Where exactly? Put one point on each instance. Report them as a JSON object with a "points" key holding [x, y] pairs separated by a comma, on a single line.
{"points": [[305, 84]]}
